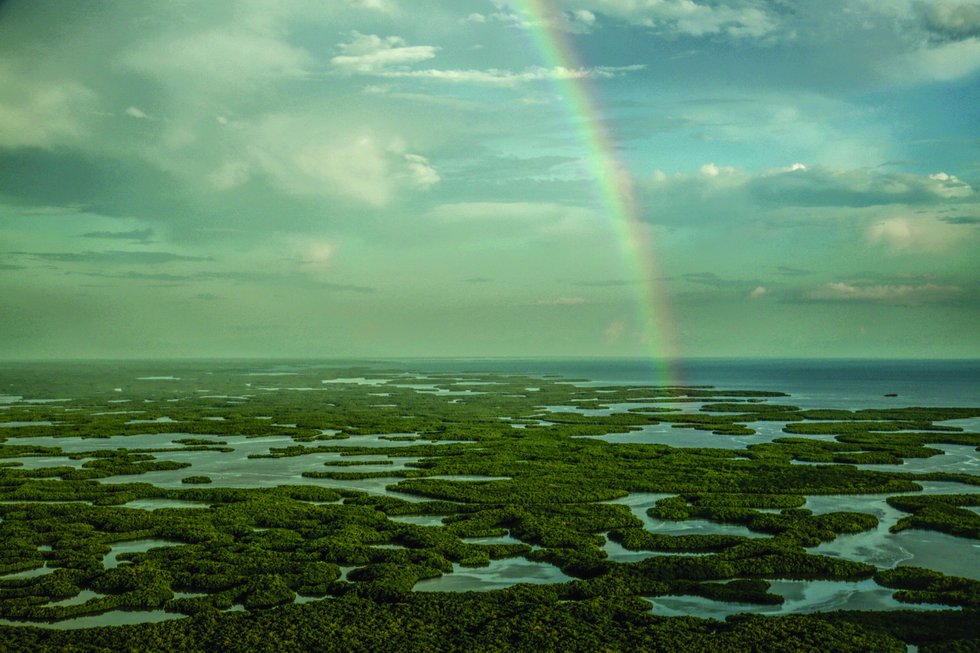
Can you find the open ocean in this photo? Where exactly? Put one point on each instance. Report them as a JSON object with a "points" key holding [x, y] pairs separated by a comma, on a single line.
{"points": [[839, 383]]}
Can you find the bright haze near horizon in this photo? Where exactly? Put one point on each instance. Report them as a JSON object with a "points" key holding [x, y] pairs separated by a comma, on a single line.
{"points": [[414, 178]]}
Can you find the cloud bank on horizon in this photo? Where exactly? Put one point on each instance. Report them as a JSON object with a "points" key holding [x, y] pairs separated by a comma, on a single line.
{"points": [[393, 178]]}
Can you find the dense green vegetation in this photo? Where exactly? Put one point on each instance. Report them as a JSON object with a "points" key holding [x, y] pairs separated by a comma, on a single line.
{"points": [[940, 513], [314, 477]]}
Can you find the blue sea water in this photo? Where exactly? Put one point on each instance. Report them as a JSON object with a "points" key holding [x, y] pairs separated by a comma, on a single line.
{"points": [[839, 383]]}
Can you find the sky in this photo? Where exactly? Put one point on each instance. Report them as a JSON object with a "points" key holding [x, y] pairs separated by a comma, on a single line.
{"points": [[469, 178]]}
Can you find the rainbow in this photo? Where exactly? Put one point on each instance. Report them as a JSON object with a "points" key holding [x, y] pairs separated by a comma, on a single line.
{"points": [[614, 183]]}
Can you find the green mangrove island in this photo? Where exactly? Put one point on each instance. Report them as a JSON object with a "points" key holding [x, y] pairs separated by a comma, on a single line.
{"points": [[236, 506]]}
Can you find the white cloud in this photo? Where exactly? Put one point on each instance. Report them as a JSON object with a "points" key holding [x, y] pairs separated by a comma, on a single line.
{"points": [[215, 59], [951, 18], [384, 6], [758, 293], [950, 185], [584, 16], [136, 112], [371, 54], [918, 234], [945, 62], [712, 170], [885, 293], [422, 174], [735, 19], [309, 158], [543, 16], [42, 113], [822, 186], [391, 57], [904, 210], [499, 77]]}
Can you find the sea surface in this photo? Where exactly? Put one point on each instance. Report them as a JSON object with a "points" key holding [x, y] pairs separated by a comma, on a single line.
{"points": [[841, 383]]}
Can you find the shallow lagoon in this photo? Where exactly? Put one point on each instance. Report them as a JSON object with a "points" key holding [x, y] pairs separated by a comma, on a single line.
{"points": [[801, 596], [132, 546], [618, 553], [497, 575], [640, 502], [112, 618], [956, 459], [951, 555], [666, 433]]}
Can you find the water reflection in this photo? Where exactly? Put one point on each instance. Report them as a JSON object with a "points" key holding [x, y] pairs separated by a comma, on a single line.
{"points": [[499, 574], [801, 596]]}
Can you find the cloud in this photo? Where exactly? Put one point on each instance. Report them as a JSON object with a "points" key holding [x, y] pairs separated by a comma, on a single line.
{"points": [[583, 17], [230, 56], [111, 257], [144, 276], [942, 40], [344, 287], [735, 19], [498, 77], [944, 62], [885, 294], [713, 280], [391, 57], [304, 157], [792, 272], [314, 252], [137, 235], [510, 168], [43, 210], [916, 234], [712, 170], [962, 219], [500, 211], [576, 21], [40, 112], [135, 112], [383, 6], [714, 286], [372, 54], [718, 192], [614, 331], [820, 186], [606, 283], [561, 301], [420, 173], [950, 19]]}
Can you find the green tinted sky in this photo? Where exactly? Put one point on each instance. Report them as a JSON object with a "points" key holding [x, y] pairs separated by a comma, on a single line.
{"points": [[408, 178]]}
